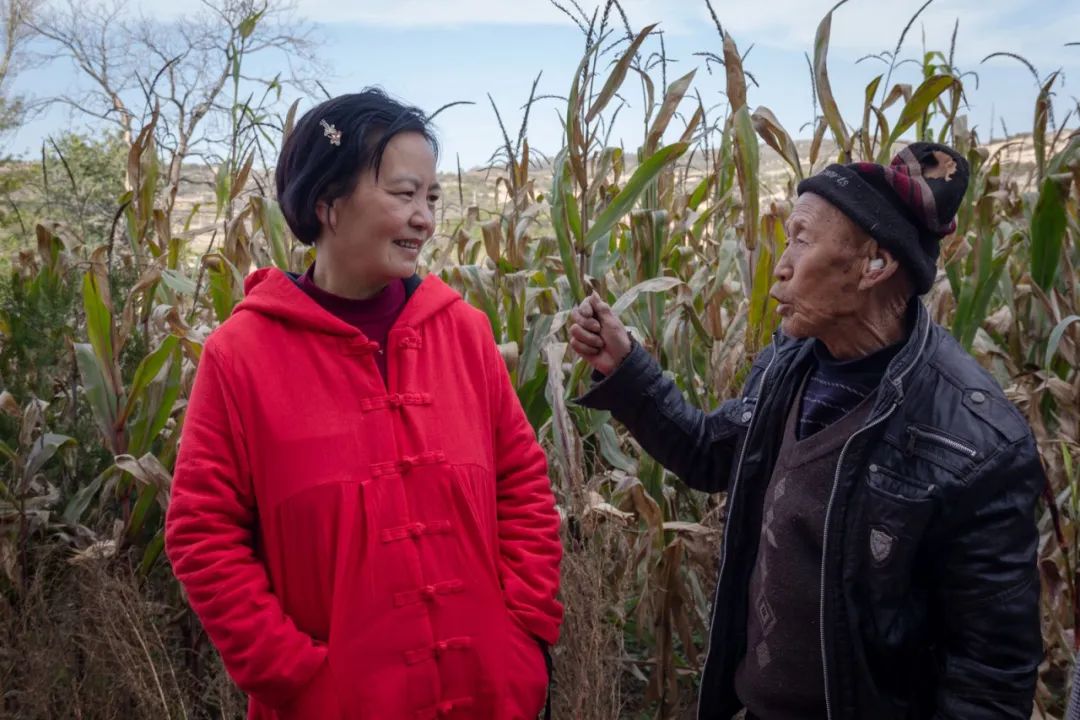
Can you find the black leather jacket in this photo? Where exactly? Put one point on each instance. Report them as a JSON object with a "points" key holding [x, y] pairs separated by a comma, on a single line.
{"points": [[929, 584]]}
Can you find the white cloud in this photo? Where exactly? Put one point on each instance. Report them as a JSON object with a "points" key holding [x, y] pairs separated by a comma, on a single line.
{"points": [[866, 26], [455, 13], [862, 26]]}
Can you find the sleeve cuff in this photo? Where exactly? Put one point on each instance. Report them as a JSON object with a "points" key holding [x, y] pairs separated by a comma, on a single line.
{"points": [[611, 392]]}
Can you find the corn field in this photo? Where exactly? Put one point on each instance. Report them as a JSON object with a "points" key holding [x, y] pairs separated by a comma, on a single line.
{"points": [[101, 333]]}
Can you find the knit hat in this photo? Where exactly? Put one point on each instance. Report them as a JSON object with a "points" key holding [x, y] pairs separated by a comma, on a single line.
{"points": [[907, 207]]}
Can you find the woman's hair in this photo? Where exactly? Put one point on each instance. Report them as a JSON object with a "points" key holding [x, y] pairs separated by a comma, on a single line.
{"points": [[331, 145]]}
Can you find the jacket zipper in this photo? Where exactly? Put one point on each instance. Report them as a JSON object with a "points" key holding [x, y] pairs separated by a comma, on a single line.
{"points": [[828, 510], [825, 542], [731, 501], [940, 440]]}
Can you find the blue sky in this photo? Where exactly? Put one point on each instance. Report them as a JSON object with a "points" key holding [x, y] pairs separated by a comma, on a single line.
{"points": [[431, 52]]}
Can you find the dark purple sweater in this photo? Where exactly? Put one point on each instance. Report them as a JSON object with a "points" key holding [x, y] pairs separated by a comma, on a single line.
{"points": [[374, 317]]}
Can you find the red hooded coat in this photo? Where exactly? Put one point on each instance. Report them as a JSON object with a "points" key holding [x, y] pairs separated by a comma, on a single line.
{"points": [[359, 550]]}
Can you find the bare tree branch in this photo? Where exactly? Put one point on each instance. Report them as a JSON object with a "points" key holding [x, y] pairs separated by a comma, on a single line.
{"points": [[191, 68]]}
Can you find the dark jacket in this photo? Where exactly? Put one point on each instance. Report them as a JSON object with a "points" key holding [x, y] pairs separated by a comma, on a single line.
{"points": [[1074, 697], [930, 591]]}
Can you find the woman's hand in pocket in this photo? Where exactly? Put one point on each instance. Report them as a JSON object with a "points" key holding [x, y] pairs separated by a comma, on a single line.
{"points": [[316, 700]]}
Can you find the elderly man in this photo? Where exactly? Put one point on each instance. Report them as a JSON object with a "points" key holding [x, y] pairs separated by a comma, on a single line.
{"points": [[879, 554]]}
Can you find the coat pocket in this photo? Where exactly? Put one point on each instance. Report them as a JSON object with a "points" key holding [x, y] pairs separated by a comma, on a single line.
{"points": [[317, 699], [526, 673], [896, 512], [895, 515]]}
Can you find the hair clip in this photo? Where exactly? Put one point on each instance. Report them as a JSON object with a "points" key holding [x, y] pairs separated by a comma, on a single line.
{"points": [[331, 132]]}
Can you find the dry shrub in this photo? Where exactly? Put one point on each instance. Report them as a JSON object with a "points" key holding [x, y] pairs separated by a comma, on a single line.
{"points": [[588, 658], [93, 642]]}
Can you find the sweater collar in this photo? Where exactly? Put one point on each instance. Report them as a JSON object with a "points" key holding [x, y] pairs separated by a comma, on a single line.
{"points": [[270, 291]]}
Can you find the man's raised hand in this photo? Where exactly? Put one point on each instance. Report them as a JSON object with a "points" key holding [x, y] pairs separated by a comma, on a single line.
{"points": [[597, 335]]}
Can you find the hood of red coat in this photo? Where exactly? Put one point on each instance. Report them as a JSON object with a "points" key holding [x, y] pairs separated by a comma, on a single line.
{"points": [[269, 291]]}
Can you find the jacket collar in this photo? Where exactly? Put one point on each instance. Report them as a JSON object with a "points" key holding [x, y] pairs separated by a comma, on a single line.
{"points": [[911, 354], [792, 352]]}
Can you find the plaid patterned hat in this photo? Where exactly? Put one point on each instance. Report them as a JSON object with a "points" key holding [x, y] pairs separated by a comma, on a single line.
{"points": [[907, 206]]}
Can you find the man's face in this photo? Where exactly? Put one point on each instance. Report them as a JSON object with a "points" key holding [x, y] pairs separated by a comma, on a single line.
{"points": [[818, 276]]}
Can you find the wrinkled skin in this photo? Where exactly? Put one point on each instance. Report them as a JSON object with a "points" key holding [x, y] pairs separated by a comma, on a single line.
{"points": [[828, 287], [833, 283]]}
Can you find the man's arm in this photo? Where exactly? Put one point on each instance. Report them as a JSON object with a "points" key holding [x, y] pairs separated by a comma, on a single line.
{"points": [[989, 592], [696, 446]]}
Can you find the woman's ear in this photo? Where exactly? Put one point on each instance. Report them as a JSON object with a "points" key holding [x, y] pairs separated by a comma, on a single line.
{"points": [[324, 211]]}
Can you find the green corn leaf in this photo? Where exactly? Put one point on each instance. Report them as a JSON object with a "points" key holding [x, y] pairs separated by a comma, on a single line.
{"points": [[601, 258], [868, 106], [829, 107], [659, 226], [560, 222], [1048, 223], [701, 190], [6, 451], [99, 393], [920, 101], [1061, 162], [952, 272], [152, 479], [746, 163], [238, 183], [43, 449], [621, 204], [269, 218], [146, 499], [568, 449], [224, 279], [1043, 110], [575, 138], [672, 97], [247, 26], [618, 74], [884, 154], [981, 301], [147, 370], [513, 295], [176, 281], [149, 185], [573, 217], [537, 334], [774, 134], [612, 451], [481, 294], [762, 316], [965, 302], [153, 551], [653, 285], [221, 186], [533, 400], [98, 318], [166, 403], [1055, 338], [80, 501]]}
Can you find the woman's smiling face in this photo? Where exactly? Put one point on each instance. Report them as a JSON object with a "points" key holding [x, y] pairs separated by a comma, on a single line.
{"points": [[374, 235]]}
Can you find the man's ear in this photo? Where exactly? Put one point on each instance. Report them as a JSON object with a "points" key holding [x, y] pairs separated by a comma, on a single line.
{"points": [[878, 267]]}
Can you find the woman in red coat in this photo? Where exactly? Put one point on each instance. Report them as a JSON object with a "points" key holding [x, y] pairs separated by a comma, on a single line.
{"points": [[361, 514]]}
